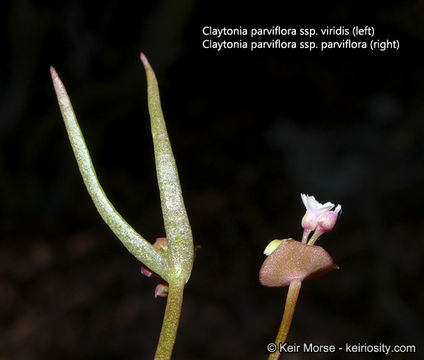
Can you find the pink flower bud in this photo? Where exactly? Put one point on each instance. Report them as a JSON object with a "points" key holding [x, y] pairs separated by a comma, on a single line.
{"points": [[327, 220], [161, 290], [145, 271], [318, 217], [161, 243], [313, 210], [309, 221]]}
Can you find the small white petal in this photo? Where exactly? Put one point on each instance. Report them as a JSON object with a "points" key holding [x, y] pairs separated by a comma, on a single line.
{"points": [[304, 200], [327, 205], [338, 209], [313, 204], [316, 207], [323, 208]]}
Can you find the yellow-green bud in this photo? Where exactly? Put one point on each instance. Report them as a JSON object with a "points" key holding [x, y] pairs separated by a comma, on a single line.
{"points": [[272, 246]]}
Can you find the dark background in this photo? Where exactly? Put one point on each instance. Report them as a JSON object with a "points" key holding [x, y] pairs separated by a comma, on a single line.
{"points": [[250, 132]]}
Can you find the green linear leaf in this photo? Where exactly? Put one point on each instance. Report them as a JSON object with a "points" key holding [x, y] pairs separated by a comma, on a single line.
{"points": [[153, 258], [177, 226]]}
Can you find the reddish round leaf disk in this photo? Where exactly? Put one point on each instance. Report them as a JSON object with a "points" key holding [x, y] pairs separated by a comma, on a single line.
{"points": [[294, 260]]}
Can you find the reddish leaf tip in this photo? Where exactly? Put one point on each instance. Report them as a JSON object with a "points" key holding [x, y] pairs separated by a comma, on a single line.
{"points": [[53, 72], [144, 60]]}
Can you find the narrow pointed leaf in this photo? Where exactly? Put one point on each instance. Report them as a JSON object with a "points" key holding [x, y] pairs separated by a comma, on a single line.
{"points": [[177, 226], [153, 258]]}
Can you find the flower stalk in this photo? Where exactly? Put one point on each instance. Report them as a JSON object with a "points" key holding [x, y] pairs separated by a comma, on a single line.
{"points": [[292, 295], [290, 262]]}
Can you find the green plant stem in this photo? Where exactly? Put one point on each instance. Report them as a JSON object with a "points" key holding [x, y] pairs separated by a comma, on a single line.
{"points": [[291, 300], [170, 321], [305, 236], [314, 237]]}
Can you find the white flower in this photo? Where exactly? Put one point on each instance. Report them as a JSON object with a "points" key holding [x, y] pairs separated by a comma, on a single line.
{"points": [[319, 217], [314, 206], [313, 211]]}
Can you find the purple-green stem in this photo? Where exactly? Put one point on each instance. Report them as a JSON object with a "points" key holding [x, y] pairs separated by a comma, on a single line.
{"points": [[170, 322], [176, 263], [292, 295]]}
